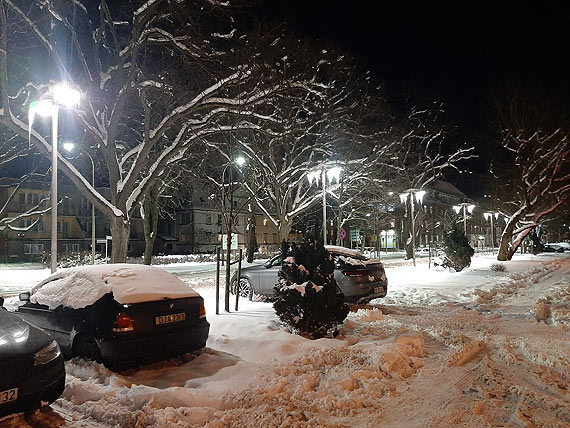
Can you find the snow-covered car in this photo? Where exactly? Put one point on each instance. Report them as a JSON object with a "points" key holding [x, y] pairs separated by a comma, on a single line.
{"points": [[563, 245], [359, 278], [118, 314], [31, 365], [553, 248]]}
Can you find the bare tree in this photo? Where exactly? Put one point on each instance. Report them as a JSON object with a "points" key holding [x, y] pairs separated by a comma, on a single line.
{"points": [[153, 76], [536, 168]]}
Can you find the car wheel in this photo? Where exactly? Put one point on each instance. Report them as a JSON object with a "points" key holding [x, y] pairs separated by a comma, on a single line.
{"points": [[245, 288], [87, 348]]}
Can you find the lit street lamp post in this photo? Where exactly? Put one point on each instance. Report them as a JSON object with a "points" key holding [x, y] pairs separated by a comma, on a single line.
{"points": [[331, 174], [239, 161], [466, 207], [419, 195], [60, 95], [69, 147]]}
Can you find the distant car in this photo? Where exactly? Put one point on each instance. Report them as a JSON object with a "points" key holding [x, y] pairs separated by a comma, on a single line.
{"points": [[118, 314], [422, 252], [31, 365], [553, 248], [564, 245], [359, 278]]}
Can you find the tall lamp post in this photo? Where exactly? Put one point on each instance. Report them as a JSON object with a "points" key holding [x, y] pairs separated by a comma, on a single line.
{"points": [[69, 147], [491, 215], [240, 161], [331, 174], [466, 207], [59, 95], [418, 195]]}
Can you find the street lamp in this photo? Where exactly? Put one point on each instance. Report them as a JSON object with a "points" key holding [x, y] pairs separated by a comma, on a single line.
{"points": [[331, 174], [60, 95], [491, 215], [239, 161], [419, 196], [69, 147], [465, 206]]}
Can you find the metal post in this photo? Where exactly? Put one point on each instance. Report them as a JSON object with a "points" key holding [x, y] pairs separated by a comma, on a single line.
{"points": [[323, 175], [92, 212], [492, 236], [217, 280], [54, 121], [413, 229], [464, 220], [238, 277]]}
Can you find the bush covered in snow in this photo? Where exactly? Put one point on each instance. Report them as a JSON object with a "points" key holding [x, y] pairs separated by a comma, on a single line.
{"points": [[308, 300], [457, 250], [498, 267]]}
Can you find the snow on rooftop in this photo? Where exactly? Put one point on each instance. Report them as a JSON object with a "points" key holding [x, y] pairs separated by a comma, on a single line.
{"points": [[79, 287]]}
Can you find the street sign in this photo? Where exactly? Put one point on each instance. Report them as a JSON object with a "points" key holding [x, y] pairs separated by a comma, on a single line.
{"points": [[355, 235], [101, 241], [234, 245], [342, 233]]}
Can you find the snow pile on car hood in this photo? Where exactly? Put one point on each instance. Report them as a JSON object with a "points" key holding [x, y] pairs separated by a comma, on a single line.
{"points": [[82, 286]]}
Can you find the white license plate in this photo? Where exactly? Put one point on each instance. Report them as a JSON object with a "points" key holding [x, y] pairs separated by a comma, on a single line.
{"points": [[378, 289], [8, 395], [167, 319]]}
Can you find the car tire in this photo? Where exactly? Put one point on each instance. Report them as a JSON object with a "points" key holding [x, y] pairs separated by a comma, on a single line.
{"points": [[87, 349], [245, 288]]}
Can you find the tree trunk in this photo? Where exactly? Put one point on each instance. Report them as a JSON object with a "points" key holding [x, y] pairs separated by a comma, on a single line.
{"points": [[120, 231], [284, 230], [251, 238], [149, 214]]}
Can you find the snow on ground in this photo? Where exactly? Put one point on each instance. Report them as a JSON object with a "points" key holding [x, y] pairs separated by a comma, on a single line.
{"points": [[471, 349]]}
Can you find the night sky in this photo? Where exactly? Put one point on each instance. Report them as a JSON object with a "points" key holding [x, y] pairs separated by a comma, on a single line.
{"points": [[460, 55]]}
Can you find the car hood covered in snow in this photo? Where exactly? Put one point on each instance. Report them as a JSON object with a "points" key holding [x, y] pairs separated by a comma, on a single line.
{"points": [[82, 286]]}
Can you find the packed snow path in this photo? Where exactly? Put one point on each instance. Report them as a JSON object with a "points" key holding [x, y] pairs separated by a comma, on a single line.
{"points": [[495, 355]]}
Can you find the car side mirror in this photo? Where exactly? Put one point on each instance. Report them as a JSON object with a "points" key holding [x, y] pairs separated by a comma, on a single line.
{"points": [[24, 297], [267, 264]]}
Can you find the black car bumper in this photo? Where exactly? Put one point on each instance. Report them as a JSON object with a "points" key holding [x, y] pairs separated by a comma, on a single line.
{"points": [[44, 384], [374, 293], [124, 350]]}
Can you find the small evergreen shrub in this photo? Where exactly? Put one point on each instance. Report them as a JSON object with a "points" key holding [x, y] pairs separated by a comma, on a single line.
{"points": [[498, 267], [457, 250], [308, 300]]}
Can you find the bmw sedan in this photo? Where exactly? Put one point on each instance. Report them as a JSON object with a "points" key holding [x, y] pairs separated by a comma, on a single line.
{"points": [[119, 314], [359, 278], [31, 366]]}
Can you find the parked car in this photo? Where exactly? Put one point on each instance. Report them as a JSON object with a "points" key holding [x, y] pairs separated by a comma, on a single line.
{"points": [[359, 278], [553, 248], [422, 252], [31, 365], [118, 314]]}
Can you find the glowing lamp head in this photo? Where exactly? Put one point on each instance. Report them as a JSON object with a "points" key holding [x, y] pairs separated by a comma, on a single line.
{"points": [[68, 147], [240, 161], [65, 96], [313, 176]]}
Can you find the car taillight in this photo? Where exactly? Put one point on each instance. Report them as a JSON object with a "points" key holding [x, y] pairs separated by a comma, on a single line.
{"points": [[123, 322], [355, 272], [202, 310]]}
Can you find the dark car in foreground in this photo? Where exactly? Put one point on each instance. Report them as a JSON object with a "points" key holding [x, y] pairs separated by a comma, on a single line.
{"points": [[31, 366], [119, 314], [359, 278]]}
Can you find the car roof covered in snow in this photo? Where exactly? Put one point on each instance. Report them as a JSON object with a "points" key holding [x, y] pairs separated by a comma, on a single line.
{"points": [[345, 251], [82, 286]]}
